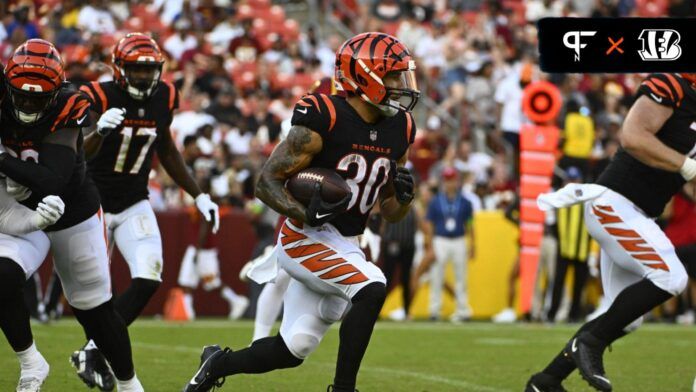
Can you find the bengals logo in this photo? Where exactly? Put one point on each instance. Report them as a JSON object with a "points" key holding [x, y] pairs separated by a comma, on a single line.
{"points": [[660, 45]]}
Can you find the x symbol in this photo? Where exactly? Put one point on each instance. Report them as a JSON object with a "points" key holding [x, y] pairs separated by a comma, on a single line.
{"points": [[615, 45]]}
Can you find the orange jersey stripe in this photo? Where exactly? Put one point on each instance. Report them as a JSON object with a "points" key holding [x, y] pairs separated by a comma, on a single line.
{"points": [[409, 126], [648, 256], [80, 109], [606, 208], [303, 103], [354, 279], [635, 245], [102, 96], [332, 110], [87, 91], [290, 235], [315, 101], [622, 232], [64, 113], [654, 89], [665, 87], [172, 95], [305, 250], [341, 270], [675, 84], [605, 218], [319, 262]]}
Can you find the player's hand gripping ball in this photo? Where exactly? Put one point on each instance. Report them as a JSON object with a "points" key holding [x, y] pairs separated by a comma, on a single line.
{"points": [[325, 194]]}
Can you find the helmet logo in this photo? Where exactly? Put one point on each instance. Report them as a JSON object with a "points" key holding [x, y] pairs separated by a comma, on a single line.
{"points": [[146, 59], [31, 87]]}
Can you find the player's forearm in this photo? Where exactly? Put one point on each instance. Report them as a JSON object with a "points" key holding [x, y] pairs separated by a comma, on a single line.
{"points": [[92, 144], [174, 165], [273, 193], [392, 210], [49, 177], [647, 148]]}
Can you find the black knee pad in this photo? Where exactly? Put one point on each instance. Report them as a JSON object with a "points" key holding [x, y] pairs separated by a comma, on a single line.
{"points": [[12, 278], [374, 293]]}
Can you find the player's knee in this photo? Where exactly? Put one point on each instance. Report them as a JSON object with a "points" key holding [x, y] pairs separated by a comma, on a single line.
{"points": [[374, 293], [331, 308], [12, 278], [673, 281], [302, 344]]}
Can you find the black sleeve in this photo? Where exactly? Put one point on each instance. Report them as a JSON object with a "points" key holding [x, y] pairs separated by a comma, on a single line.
{"points": [[308, 113], [662, 88], [50, 176]]}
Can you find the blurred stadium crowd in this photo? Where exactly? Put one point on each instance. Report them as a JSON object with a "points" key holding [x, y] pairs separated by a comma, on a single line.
{"points": [[241, 66]]}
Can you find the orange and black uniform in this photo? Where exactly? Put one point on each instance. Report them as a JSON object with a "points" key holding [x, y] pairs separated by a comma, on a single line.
{"points": [[25, 141], [122, 166], [647, 187], [360, 152]]}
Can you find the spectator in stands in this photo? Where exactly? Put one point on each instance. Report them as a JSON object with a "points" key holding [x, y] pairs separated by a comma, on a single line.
{"points": [[214, 77], [450, 215], [429, 147], [508, 95], [96, 18], [245, 47], [181, 41]]}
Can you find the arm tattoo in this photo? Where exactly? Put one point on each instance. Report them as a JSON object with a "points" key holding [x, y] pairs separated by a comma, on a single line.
{"points": [[291, 156]]}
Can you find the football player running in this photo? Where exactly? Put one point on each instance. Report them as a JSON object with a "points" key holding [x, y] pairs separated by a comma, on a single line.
{"points": [[40, 127], [135, 111], [640, 269], [18, 221], [360, 136]]}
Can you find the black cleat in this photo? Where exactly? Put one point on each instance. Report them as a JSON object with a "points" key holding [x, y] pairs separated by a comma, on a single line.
{"points": [[203, 381], [542, 382], [331, 388], [586, 351], [93, 369]]}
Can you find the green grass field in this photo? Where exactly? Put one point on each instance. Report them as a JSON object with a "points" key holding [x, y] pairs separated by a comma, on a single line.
{"points": [[409, 357]]}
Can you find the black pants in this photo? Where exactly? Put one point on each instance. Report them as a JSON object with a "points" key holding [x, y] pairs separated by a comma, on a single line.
{"points": [[395, 254], [687, 255], [581, 273]]}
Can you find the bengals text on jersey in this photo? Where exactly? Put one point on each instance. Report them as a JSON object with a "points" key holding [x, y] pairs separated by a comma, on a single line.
{"points": [[647, 187], [360, 152], [122, 166], [24, 141]]}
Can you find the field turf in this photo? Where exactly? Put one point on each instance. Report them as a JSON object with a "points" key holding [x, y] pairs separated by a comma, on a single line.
{"points": [[411, 357]]}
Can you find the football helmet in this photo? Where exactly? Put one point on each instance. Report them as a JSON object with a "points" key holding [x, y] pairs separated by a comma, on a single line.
{"points": [[34, 75], [137, 64], [362, 63]]}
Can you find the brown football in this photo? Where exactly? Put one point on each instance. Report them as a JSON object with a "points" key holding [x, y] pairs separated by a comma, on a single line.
{"points": [[333, 187]]}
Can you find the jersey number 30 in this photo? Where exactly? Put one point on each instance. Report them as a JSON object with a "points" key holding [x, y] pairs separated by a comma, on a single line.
{"points": [[363, 189], [127, 136]]}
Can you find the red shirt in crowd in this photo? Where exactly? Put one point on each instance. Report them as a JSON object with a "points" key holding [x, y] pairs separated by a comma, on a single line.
{"points": [[681, 229]]}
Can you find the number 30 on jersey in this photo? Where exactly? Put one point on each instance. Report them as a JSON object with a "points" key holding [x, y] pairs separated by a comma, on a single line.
{"points": [[362, 184]]}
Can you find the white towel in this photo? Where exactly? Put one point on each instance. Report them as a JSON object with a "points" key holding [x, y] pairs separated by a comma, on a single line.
{"points": [[569, 195], [264, 268]]}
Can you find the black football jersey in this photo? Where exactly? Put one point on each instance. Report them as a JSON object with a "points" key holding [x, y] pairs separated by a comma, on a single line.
{"points": [[358, 151], [69, 111], [647, 187], [121, 167]]}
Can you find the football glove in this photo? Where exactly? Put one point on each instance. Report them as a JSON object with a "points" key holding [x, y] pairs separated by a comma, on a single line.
{"points": [[209, 210], [403, 183], [110, 120], [319, 212], [49, 210]]}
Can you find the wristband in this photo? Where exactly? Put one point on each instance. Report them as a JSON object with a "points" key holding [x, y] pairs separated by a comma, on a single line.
{"points": [[688, 169]]}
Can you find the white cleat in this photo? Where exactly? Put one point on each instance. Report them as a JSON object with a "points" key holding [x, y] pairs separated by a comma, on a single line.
{"points": [[507, 315], [239, 306], [31, 380]]}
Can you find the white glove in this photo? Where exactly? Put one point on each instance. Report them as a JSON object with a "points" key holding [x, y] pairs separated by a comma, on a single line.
{"points": [[209, 210], [110, 120], [17, 191], [49, 210]]}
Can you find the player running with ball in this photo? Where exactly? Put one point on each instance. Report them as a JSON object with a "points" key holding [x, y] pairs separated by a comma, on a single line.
{"points": [[359, 137]]}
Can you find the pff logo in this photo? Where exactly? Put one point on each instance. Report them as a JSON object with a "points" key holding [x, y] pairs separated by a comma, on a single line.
{"points": [[572, 40], [660, 45]]}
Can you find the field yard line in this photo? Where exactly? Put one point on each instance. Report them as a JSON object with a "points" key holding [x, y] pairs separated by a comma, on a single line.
{"points": [[374, 369]]}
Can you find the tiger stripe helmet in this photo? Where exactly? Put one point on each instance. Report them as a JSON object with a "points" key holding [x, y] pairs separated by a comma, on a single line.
{"points": [[363, 61], [34, 75], [132, 54]]}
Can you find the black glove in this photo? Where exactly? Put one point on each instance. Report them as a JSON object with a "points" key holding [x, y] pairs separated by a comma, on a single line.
{"points": [[319, 212], [403, 183]]}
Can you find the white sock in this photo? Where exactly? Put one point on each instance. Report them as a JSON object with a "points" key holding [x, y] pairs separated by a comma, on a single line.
{"points": [[90, 345], [188, 304], [31, 361], [228, 294], [132, 385]]}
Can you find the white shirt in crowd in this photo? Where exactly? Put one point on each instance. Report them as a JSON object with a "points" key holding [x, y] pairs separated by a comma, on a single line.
{"points": [[509, 94], [176, 46], [96, 20]]}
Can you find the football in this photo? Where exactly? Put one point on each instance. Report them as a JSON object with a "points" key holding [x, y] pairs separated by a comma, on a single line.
{"points": [[333, 187]]}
